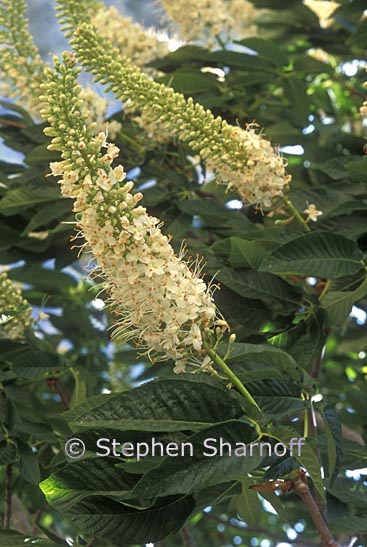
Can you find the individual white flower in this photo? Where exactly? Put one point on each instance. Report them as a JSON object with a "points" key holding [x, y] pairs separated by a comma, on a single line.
{"points": [[312, 212]]}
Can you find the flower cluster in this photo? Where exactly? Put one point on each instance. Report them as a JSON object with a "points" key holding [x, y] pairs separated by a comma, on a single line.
{"points": [[241, 158], [15, 312], [130, 38], [204, 20], [21, 67], [158, 300], [23, 71]]}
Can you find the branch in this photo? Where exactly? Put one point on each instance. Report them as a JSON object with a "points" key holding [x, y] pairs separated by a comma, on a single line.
{"points": [[302, 489], [7, 514], [91, 542]]}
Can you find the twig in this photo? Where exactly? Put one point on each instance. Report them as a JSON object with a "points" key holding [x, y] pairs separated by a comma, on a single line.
{"points": [[7, 513], [187, 539], [302, 489], [3, 121], [62, 393], [91, 542]]}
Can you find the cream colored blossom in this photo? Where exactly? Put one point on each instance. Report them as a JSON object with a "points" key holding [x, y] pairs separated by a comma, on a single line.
{"points": [[241, 158], [15, 312], [21, 67], [132, 40], [312, 212], [204, 20], [159, 300], [263, 179]]}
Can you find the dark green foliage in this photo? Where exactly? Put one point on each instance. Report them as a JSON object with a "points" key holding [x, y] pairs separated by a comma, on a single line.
{"points": [[295, 336]]}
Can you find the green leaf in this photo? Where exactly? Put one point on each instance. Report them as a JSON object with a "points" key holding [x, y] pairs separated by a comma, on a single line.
{"points": [[262, 286], [3, 406], [248, 504], [164, 405], [209, 462], [266, 49], [47, 214], [123, 525], [299, 102], [307, 457], [29, 464], [350, 524], [32, 363], [89, 477], [244, 354], [338, 304], [216, 494], [40, 154], [8, 452], [80, 389], [350, 491], [45, 278], [246, 254], [8, 237], [19, 110], [319, 254], [188, 82], [242, 61], [334, 442], [279, 406], [19, 199]]}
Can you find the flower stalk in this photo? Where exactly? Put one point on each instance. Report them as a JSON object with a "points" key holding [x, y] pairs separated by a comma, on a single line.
{"points": [[230, 374]]}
